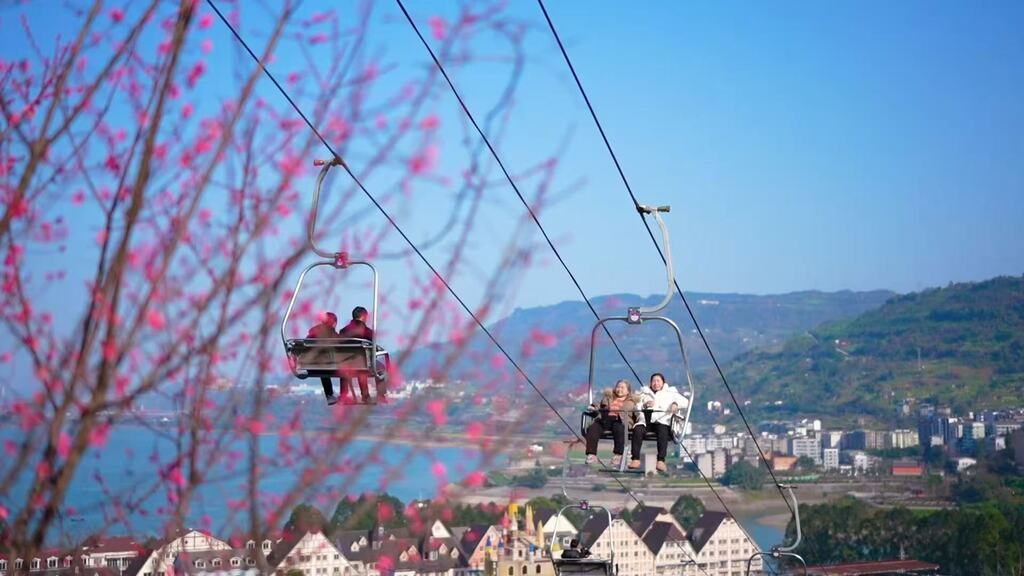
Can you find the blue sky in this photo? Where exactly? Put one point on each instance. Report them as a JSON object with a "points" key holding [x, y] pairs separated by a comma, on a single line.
{"points": [[802, 146], [807, 145]]}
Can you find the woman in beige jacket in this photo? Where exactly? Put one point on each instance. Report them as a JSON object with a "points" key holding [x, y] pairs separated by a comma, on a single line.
{"points": [[617, 413]]}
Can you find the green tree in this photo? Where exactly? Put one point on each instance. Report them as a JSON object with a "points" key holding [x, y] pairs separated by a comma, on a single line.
{"points": [[305, 518], [687, 509], [536, 478], [556, 502], [744, 475], [367, 512], [805, 463]]}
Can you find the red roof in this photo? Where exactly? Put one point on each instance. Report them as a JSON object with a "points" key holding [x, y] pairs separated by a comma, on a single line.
{"points": [[907, 469], [867, 568]]}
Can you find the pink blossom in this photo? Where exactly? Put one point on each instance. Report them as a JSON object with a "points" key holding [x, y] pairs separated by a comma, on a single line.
{"points": [[429, 123], [438, 27], [206, 46], [425, 161], [99, 434], [195, 73], [5, 357], [63, 445], [186, 111], [206, 21], [439, 470], [155, 320], [116, 15], [474, 430], [436, 409], [475, 479]]}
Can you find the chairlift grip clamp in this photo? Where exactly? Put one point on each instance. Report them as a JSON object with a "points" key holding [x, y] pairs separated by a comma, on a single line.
{"points": [[645, 209], [341, 260], [335, 161], [634, 315]]}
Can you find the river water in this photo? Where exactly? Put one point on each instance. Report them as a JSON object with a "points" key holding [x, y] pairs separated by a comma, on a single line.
{"points": [[137, 462]]}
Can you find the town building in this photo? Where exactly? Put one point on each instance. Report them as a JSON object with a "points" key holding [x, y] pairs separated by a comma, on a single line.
{"points": [[830, 458], [666, 539], [783, 463], [631, 556], [160, 561], [900, 439], [809, 447], [905, 468], [721, 546]]}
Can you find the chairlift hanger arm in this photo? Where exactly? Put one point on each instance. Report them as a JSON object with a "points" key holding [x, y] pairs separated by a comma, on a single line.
{"points": [[669, 273], [326, 166], [796, 519]]}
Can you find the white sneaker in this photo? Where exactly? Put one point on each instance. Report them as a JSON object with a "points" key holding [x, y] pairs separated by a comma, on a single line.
{"points": [[332, 400], [591, 458], [616, 460]]}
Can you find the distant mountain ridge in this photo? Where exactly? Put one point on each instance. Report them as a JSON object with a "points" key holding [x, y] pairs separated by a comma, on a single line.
{"points": [[962, 345], [548, 337]]}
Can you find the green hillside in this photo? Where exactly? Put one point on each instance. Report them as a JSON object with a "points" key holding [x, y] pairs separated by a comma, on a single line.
{"points": [[962, 345]]}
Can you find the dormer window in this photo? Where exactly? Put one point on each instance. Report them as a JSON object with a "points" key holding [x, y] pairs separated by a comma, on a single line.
{"points": [[250, 562], [67, 561], [362, 541], [35, 563], [51, 562], [443, 549], [215, 563], [433, 554], [355, 547], [19, 563], [200, 564], [455, 553], [3, 564], [266, 544], [250, 545], [236, 561]]}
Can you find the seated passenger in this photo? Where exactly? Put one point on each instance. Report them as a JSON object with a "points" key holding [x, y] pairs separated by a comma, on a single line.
{"points": [[325, 329], [575, 551], [665, 401], [616, 412], [357, 328]]}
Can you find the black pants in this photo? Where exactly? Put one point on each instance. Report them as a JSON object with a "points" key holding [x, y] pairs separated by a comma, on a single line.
{"points": [[328, 389], [602, 425], [364, 386], [664, 433]]}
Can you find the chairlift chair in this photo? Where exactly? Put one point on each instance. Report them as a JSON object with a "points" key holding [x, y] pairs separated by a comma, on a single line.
{"points": [[779, 551], [334, 357], [590, 566], [635, 317]]}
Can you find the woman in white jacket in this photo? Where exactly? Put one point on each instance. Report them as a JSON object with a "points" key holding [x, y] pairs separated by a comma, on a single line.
{"points": [[666, 402]]}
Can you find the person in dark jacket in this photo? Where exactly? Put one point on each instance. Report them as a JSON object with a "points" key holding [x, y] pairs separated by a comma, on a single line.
{"points": [[325, 329], [575, 552], [357, 328]]}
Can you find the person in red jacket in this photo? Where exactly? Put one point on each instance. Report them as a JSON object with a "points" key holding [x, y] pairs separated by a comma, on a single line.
{"points": [[357, 328], [325, 329]]}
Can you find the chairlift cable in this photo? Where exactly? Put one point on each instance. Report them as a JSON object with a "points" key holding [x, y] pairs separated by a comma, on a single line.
{"points": [[511, 181], [412, 245], [515, 188], [650, 233], [390, 220], [547, 238]]}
